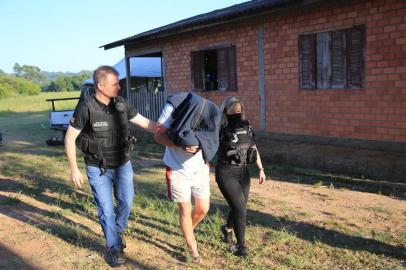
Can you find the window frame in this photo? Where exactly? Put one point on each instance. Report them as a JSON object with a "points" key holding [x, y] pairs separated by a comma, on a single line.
{"points": [[332, 60], [226, 70]]}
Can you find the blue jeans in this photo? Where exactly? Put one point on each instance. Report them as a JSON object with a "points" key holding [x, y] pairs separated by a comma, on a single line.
{"points": [[121, 181]]}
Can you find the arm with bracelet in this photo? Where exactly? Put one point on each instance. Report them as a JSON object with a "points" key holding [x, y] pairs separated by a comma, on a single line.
{"points": [[261, 176]]}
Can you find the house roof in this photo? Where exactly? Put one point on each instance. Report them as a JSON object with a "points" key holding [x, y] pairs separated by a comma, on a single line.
{"points": [[219, 16], [139, 67]]}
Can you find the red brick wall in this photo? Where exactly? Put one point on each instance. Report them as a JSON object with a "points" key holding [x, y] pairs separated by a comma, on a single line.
{"points": [[377, 112], [244, 37]]}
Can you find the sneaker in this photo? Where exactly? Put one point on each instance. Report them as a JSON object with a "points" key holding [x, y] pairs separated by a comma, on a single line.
{"points": [[114, 258], [241, 251], [227, 235]]}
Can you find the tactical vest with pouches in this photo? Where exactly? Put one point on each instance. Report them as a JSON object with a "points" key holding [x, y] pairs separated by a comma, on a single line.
{"points": [[105, 144], [236, 145]]}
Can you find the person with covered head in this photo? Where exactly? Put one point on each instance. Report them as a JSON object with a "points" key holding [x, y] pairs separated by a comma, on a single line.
{"points": [[236, 151], [102, 120], [188, 127]]}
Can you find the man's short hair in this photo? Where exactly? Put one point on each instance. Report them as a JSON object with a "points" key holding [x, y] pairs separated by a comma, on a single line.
{"points": [[101, 72]]}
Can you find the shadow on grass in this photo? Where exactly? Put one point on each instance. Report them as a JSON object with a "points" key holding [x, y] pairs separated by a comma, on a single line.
{"points": [[174, 251], [48, 221], [313, 233], [37, 186], [302, 230], [63, 228], [146, 221], [29, 116], [10, 260], [308, 176], [34, 184], [149, 191], [45, 151]]}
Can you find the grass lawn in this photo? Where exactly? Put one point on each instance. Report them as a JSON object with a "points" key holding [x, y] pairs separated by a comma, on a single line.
{"points": [[47, 224]]}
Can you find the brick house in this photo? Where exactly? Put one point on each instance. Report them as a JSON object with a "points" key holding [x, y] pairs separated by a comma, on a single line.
{"points": [[310, 73]]}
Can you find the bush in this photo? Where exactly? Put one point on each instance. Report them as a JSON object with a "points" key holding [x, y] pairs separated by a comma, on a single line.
{"points": [[65, 83], [13, 86]]}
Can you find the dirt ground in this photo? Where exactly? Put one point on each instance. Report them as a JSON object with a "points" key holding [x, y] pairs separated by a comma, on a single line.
{"points": [[26, 245], [351, 208]]}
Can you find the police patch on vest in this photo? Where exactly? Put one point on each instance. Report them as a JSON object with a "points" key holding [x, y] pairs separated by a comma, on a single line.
{"points": [[100, 124], [234, 138], [235, 146], [240, 132]]}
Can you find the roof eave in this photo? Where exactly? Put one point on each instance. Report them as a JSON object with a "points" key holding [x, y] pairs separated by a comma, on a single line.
{"points": [[211, 22]]}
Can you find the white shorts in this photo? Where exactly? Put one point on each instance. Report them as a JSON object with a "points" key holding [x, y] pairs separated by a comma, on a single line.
{"points": [[180, 187]]}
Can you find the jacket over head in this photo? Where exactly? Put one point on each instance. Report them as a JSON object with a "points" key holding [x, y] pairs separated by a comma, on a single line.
{"points": [[196, 121]]}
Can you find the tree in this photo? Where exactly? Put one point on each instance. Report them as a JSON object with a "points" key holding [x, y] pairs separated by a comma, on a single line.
{"points": [[66, 83], [17, 69], [31, 73]]}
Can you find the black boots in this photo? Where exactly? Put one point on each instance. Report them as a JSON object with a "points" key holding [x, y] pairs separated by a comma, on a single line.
{"points": [[227, 235], [115, 258], [237, 250], [241, 251]]}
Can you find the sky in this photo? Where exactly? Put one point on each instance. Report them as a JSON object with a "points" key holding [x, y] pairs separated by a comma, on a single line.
{"points": [[65, 35]]}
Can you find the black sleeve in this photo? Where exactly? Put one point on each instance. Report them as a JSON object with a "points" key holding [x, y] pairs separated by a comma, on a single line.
{"points": [[252, 134], [253, 139], [131, 110], [80, 116]]}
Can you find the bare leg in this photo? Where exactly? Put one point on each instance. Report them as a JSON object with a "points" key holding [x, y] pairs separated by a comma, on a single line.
{"points": [[186, 225], [199, 212]]}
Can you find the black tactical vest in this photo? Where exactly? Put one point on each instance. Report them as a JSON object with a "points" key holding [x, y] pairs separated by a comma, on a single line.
{"points": [[236, 145], [105, 144]]}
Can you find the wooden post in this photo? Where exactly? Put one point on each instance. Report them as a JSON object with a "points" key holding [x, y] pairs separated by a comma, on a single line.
{"points": [[128, 81], [163, 81], [261, 77]]}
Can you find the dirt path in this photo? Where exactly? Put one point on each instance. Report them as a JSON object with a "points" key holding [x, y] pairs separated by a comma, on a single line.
{"points": [[351, 210], [26, 243]]}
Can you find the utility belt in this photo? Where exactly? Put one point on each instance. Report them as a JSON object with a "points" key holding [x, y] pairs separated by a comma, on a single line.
{"points": [[103, 156]]}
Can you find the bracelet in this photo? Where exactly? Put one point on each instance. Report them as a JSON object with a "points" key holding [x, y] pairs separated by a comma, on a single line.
{"points": [[261, 169]]}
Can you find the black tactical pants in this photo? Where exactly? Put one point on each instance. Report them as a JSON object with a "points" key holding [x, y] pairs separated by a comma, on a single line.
{"points": [[234, 184]]}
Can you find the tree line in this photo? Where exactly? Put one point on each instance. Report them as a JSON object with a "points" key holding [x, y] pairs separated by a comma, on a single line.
{"points": [[30, 80]]}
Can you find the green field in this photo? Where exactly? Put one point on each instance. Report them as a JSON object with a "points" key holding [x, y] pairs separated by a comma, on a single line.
{"points": [[35, 190], [36, 103]]}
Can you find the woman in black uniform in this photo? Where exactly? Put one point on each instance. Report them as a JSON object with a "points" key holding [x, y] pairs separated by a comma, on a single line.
{"points": [[236, 151]]}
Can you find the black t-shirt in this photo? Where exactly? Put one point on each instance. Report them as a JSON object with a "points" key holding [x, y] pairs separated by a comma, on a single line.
{"points": [[81, 117]]}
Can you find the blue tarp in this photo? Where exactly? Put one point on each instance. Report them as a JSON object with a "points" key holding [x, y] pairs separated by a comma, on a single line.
{"points": [[139, 66]]}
